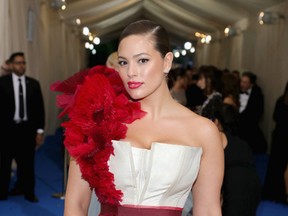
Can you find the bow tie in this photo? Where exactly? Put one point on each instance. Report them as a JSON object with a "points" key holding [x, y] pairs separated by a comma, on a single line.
{"points": [[245, 92]]}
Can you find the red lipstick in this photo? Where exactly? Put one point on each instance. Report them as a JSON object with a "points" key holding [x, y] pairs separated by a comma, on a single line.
{"points": [[134, 85]]}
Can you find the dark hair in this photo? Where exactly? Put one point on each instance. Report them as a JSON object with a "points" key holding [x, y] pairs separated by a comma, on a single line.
{"points": [[13, 56], [195, 77], [228, 116], [252, 77], [174, 74], [145, 27], [231, 87], [213, 78]]}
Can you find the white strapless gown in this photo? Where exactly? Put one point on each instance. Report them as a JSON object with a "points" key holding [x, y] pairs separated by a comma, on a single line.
{"points": [[162, 176]]}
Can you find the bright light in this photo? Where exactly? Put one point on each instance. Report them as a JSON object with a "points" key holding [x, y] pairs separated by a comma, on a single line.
{"points": [[226, 30], [197, 34], [90, 37], [85, 31], [177, 54], [183, 52], [63, 7], [203, 40], [94, 51], [260, 17], [192, 50], [208, 39], [188, 45], [78, 21], [87, 45], [91, 46], [96, 40]]}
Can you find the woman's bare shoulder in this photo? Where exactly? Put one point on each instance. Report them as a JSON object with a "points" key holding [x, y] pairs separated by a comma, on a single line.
{"points": [[193, 128], [201, 129]]}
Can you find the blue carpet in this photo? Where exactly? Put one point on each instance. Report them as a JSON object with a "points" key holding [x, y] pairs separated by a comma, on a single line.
{"points": [[49, 181]]}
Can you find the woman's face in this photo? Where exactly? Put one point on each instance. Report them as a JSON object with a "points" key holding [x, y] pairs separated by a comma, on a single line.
{"points": [[201, 83], [141, 67]]}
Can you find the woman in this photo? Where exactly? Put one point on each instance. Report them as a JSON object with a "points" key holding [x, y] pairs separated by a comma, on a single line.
{"points": [[178, 88], [155, 162], [210, 82], [231, 90], [241, 188]]}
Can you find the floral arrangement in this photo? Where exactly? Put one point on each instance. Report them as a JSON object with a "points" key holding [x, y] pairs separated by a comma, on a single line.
{"points": [[98, 108]]}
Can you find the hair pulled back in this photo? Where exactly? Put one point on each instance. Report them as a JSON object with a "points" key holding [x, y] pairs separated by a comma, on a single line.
{"points": [[146, 27]]}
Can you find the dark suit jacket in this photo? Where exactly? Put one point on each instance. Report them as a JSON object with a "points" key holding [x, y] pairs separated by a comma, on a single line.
{"points": [[255, 106], [249, 119], [34, 101]]}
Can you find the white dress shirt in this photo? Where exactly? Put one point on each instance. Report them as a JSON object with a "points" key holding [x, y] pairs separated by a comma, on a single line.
{"points": [[16, 78], [244, 97]]}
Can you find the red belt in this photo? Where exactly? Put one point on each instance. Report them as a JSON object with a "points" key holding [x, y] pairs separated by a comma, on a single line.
{"points": [[111, 210]]}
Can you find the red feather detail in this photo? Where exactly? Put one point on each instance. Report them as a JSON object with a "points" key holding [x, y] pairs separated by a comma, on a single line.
{"points": [[99, 109]]}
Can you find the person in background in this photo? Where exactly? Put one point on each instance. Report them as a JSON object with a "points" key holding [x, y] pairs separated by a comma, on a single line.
{"points": [[22, 121], [236, 73], [195, 96], [276, 182], [231, 90], [6, 68], [251, 111], [241, 189], [178, 88], [157, 149], [112, 61], [210, 82]]}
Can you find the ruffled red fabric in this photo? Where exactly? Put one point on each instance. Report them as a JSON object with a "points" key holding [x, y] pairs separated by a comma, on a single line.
{"points": [[98, 108]]}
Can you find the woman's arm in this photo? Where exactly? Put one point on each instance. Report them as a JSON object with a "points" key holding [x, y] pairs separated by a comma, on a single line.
{"points": [[207, 188], [78, 193]]}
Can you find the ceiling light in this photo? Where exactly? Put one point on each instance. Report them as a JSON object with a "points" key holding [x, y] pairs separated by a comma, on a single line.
{"points": [[230, 31], [208, 38], [85, 31], [267, 17], [188, 45], [96, 40], [58, 4], [176, 54], [78, 21]]}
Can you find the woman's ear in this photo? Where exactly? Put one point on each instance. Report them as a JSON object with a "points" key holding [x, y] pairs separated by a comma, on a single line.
{"points": [[168, 59]]}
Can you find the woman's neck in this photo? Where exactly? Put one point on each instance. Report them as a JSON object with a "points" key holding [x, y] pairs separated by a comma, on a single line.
{"points": [[158, 103]]}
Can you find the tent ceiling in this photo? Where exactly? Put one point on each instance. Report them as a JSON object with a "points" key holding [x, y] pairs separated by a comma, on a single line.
{"points": [[182, 18]]}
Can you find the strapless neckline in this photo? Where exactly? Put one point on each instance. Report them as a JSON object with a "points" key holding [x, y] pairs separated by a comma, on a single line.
{"points": [[171, 145]]}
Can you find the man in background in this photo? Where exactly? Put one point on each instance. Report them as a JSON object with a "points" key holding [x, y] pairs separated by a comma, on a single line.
{"points": [[251, 110], [21, 126]]}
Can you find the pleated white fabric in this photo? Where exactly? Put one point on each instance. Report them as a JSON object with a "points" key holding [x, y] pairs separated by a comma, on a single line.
{"points": [[162, 176]]}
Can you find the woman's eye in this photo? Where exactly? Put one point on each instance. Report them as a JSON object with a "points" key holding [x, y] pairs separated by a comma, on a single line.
{"points": [[121, 63], [143, 60]]}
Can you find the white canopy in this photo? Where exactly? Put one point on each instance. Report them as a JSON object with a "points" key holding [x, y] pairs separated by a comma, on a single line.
{"points": [[182, 18]]}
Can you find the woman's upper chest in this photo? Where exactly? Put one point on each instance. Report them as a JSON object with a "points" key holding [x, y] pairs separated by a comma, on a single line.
{"points": [[143, 135]]}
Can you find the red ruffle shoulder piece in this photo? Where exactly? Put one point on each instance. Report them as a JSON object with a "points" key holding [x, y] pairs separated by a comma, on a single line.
{"points": [[98, 109]]}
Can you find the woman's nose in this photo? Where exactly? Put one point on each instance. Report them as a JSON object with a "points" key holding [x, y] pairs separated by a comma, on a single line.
{"points": [[131, 71]]}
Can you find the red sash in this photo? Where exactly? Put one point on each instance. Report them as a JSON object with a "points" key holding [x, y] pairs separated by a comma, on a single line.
{"points": [[112, 210]]}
